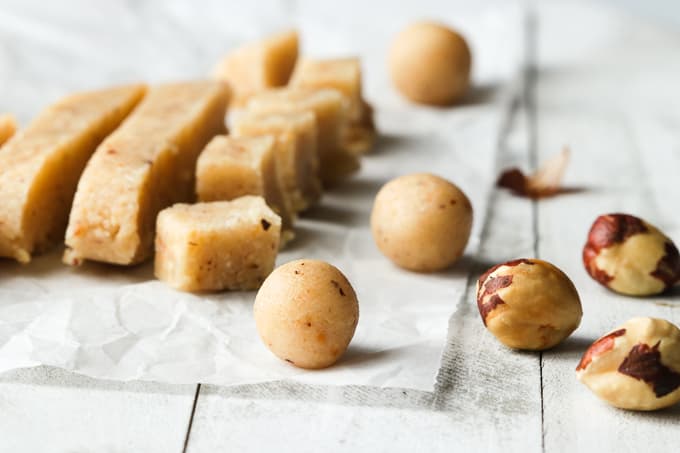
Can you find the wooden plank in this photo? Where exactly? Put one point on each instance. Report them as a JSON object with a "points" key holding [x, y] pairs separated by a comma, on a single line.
{"points": [[624, 144], [46, 409]]}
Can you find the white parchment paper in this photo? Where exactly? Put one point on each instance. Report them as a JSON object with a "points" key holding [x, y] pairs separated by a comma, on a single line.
{"points": [[117, 323]]}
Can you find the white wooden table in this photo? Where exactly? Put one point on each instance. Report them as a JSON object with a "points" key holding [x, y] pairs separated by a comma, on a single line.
{"points": [[557, 73]]}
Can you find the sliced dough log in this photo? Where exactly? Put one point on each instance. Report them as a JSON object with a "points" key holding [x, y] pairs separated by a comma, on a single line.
{"points": [[344, 75], [40, 166], [331, 110], [297, 155], [144, 166], [8, 126]]}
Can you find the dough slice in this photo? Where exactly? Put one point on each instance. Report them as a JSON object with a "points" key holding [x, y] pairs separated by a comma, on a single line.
{"points": [[8, 126], [144, 166], [41, 166]]}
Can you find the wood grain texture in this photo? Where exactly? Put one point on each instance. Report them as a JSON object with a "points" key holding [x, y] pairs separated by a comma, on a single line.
{"points": [[624, 143], [50, 410]]}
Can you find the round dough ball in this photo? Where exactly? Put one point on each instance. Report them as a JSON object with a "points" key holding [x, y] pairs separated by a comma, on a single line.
{"points": [[421, 222], [528, 304], [306, 313], [430, 64]]}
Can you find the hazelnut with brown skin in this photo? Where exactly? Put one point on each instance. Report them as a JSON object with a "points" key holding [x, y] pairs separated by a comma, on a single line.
{"points": [[421, 222], [528, 304], [630, 256], [636, 366]]}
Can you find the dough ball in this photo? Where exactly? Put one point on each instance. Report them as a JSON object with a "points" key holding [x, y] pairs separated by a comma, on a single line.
{"points": [[306, 313], [430, 64], [421, 222]]}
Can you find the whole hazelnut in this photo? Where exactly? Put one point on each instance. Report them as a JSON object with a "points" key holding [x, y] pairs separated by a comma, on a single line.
{"points": [[528, 304], [430, 64], [421, 222], [636, 366], [630, 256]]}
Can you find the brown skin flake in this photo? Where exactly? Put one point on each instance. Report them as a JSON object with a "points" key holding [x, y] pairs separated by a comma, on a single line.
{"points": [[644, 363], [488, 287], [611, 229], [608, 230], [668, 268], [265, 224], [491, 287], [598, 348]]}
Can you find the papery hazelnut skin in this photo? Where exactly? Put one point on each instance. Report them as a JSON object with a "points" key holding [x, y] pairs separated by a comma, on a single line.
{"points": [[421, 222], [636, 366], [528, 304], [630, 256]]}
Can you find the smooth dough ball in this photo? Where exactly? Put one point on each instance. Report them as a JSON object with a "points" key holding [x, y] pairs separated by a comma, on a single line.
{"points": [[421, 222], [306, 313], [430, 64], [528, 304]]}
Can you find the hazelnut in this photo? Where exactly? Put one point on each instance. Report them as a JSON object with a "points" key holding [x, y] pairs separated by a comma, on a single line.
{"points": [[636, 366], [630, 256], [306, 313], [430, 63], [528, 304], [421, 222]]}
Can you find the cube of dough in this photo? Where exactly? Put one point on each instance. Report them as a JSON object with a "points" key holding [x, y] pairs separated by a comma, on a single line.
{"points": [[259, 65], [8, 126], [331, 109], [297, 155], [149, 163], [231, 167], [217, 245], [40, 166], [344, 75]]}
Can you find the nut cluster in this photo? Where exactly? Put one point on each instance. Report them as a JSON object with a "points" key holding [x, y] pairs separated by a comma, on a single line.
{"points": [[636, 366], [528, 304], [630, 256]]}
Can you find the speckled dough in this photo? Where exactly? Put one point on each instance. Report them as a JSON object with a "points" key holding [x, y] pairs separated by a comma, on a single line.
{"points": [[217, 245], [636, 366], [306, 313], [528, 304], [430, 63], [421, 222]]}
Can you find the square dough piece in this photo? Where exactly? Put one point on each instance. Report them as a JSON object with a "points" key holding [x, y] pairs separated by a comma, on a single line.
{"points": [[231, 167], [259, 65], [331, 110], [40, 166], [344, 75], [217, 245], [297, 154], [8, 126], [149, 163]]}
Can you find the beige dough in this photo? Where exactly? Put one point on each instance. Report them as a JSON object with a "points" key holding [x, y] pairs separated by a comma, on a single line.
{"points": [[421, 222], [306, 313], [430, 64]]}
